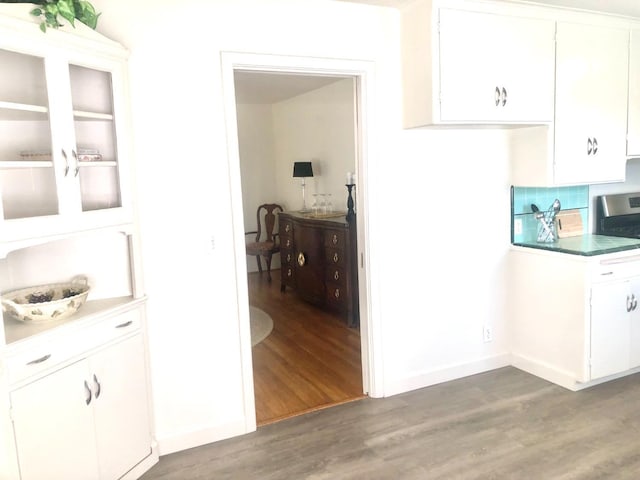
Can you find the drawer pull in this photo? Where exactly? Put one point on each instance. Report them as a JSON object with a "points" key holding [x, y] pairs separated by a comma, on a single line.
{"points": [[289, 272], [125, 324], [301, 259], [87, 390], [334, 239], [97, 385], [40, 360], [287, 228], [288, 257], [336, 293], [288, 243], [335, 257], [336, 275]]}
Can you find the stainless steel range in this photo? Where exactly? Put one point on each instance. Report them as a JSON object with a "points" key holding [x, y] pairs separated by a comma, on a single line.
{"points": [[618, 215]]}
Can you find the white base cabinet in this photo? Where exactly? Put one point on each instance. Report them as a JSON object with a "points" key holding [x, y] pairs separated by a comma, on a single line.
{"points": [[575, 320], [86, 416]]}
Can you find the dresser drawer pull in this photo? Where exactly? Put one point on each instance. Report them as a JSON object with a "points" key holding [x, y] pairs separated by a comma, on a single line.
{"points": [[40, 360], [288, 257], [288, 243], [125, 324], [289, 272], [87, 390], [287, 228], [334, 239], [301, 259], [336, 275], [335, 257], [337, 293]]}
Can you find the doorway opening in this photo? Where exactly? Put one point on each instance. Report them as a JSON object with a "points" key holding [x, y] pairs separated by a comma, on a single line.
{"points": [[283, 114]]}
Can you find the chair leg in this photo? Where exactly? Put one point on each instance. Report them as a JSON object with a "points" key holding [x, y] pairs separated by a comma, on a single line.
{"points": [[259, 264], [268, 260]]}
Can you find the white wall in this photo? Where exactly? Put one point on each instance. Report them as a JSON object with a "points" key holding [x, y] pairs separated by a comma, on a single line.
{"points": [[318, 126], [437, 213]]}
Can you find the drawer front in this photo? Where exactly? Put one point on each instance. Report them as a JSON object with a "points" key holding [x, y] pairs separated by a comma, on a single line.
{"points": [[335, 258], [337, 296], [335, 238], [288, 275], [336, 275], [46, 355]]}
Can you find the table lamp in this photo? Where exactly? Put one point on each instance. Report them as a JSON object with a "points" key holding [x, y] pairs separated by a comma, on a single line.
{"points": [[303, 170]]}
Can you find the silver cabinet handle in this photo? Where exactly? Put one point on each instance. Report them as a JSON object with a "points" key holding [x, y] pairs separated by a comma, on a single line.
{"points": [[628, 304], [75, 159], [595, 145], [125, 324], [497, 96], [589, 146], [87, 390], [44, 358], [504, 96], [97, 386], [66, 162]]}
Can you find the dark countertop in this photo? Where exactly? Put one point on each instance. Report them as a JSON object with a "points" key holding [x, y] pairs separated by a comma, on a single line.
{"points": [[586, 245]]}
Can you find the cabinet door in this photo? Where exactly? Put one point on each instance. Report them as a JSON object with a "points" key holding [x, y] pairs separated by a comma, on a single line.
{"points": [[635, 324], [591, 104], [53, 426], [633, 125], [28, 183], [495, 68], [119, 385], [610, 328]]}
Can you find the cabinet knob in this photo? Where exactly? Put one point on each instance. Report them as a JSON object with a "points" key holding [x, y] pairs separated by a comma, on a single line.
{"points": [[301, 259]]}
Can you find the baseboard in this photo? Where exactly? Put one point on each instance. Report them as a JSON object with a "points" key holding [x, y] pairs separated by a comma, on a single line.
{"points": [[182, 441], [445, 374], [144, 466]]}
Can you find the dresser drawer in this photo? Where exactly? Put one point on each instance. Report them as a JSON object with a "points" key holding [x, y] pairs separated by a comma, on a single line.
{"points": [[335, 257], [337, 296], [335, 238], [336, 275], [44, 355]]}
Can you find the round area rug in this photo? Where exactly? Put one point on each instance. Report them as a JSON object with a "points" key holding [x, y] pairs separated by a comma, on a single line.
{"points": [[261, 325]]}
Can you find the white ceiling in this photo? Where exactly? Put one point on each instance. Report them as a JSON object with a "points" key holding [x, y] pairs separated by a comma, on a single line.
{"points": [[629, 8], [267, 88]]}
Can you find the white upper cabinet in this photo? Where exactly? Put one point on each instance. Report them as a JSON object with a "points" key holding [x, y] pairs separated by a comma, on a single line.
{"points": [[63, 160], [495, 68], [472, 67], [633, 120], [591, 103]]}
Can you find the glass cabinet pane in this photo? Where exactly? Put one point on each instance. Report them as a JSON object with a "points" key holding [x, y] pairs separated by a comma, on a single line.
{"points": [[95, 131], [27, 177]]}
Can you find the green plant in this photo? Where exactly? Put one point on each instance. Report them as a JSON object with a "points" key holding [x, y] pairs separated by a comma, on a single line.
{"points": [[70, 10]]}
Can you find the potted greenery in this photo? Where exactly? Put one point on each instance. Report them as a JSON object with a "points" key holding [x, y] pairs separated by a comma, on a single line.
{"points": [[70, 10]]}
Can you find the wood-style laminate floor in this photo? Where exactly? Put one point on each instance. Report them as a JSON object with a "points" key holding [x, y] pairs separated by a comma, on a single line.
{"points": [[311, 359], [503, 424]]}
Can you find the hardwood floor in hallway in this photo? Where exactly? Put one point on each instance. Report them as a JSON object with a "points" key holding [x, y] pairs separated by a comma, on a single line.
{"points": [[311, 360]]}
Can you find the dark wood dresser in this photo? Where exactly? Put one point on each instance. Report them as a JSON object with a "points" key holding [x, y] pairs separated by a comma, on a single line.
{"points": [[319, 261]]}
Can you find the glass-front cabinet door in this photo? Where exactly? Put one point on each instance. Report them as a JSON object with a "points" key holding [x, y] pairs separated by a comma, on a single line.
{"points": [[96, 141], [28, 184], [60, 155]]}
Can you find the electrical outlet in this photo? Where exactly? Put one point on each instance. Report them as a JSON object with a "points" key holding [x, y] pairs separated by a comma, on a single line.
{"points": [[487, 334], [517, 226]]}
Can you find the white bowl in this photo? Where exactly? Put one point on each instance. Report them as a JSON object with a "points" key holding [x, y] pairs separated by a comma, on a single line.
{"points": [[45, 303]]}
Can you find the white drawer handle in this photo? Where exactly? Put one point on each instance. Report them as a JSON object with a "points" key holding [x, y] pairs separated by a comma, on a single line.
{"points": [[125, 324], [39, 360]]}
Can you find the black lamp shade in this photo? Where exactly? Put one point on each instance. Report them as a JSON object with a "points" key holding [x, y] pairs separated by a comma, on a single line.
{"points": [[302, 169]]}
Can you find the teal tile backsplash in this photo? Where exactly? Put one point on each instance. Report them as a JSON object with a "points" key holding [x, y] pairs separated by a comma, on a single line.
{"points": [[522, 197]]}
